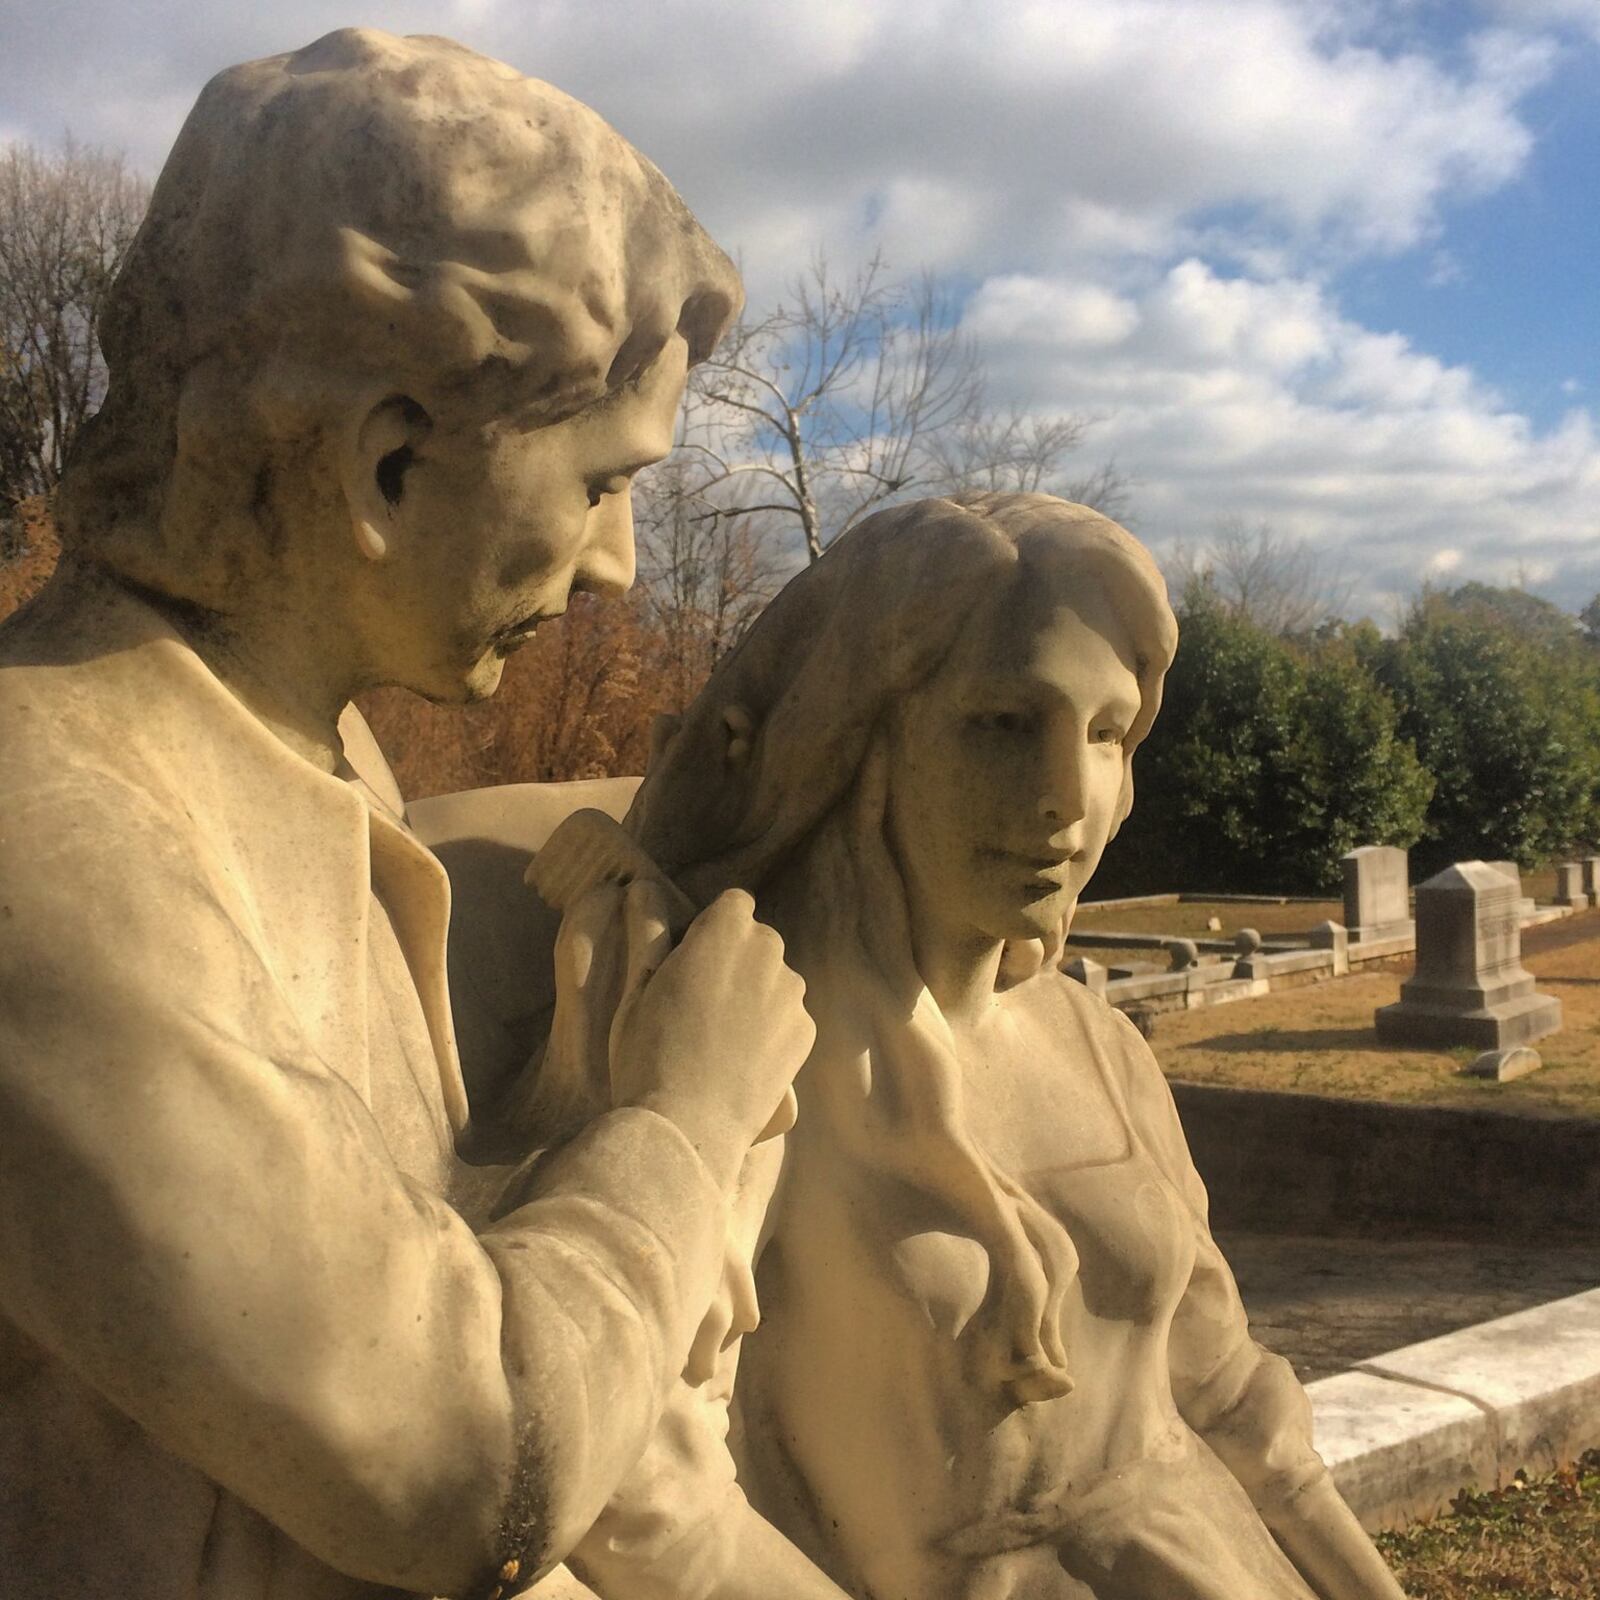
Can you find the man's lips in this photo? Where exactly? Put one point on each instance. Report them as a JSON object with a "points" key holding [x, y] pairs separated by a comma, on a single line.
{"points": [[505, 640]]}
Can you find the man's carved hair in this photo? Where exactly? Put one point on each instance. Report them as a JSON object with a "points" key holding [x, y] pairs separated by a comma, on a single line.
{"points": [[367, 217]]}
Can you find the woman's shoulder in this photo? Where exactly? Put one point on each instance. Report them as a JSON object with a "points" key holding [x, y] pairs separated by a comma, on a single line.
{"points": [[1102, 1020], [1123, 1048]]}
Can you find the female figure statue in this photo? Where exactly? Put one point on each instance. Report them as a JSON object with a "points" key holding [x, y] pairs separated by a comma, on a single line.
{"points": [[1000, 1353]]}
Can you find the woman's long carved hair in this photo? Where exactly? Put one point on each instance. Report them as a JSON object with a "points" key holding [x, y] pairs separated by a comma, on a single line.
{"points": [[776, 781]]}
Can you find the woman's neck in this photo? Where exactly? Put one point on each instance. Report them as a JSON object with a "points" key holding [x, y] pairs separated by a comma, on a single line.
{"points": [[959, 966]]}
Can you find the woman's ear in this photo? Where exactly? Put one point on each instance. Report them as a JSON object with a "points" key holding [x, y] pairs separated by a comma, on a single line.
{"points": [[378, 450], [740, 727]]}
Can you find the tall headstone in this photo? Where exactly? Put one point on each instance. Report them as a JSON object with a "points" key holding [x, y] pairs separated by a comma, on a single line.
{"points": [[1512, 871], [1591, 878], [1569, 886], [1470, 987], [1376, 904]]}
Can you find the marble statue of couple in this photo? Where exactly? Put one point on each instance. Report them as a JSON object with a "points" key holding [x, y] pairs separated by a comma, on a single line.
{"points": [[397, 333]]}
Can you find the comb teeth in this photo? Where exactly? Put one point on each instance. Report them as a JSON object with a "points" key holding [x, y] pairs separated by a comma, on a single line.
{"points": [[590, 848]]}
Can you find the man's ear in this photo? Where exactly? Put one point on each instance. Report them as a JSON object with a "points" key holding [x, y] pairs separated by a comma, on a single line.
{"points": [[377, 453], [740, 727]]}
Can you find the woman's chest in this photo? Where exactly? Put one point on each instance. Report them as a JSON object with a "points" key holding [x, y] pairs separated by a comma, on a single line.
{"points": [[1038, 1092]]}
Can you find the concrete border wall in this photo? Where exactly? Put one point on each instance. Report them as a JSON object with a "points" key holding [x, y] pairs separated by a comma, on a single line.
{"points": [[1293, 1162]]}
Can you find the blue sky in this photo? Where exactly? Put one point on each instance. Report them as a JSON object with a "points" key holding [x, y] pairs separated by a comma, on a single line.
{"points": [[1321, 263]]}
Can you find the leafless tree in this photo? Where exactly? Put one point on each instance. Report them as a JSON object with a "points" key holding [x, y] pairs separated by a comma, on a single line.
{"points": [[828, 405], [66, 221], [852, 393], [1010, 450], [1283, 586], [702, 579]]}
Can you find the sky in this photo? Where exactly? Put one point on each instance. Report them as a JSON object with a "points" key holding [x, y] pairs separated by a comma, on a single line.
{"points": [[1322, 264]]}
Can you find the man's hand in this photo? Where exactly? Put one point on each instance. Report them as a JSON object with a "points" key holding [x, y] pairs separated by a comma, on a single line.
{"points": [[710, 1034]]}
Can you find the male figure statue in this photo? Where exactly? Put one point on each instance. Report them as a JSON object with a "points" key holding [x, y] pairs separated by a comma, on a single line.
{"points": [[399, 329]]}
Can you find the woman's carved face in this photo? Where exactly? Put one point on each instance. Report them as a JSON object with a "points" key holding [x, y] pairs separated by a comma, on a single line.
{"points": [[1007, 766]]}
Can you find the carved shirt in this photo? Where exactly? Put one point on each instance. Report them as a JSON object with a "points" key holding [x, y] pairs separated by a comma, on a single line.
{"points": [[866, 1438], [243, 1334]]}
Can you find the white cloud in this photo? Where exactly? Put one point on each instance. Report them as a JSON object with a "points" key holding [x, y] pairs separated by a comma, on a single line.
{"points": [[1018, 307], [1153, 200], [1231, 396]]}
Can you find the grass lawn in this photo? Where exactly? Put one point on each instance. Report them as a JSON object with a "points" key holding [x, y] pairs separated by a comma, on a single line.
{"points": [[1319, 1039], [1538, 1540]]}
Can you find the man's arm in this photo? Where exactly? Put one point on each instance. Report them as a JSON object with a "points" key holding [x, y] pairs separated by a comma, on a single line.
{"points": [[201, 1219], [501, 932]]}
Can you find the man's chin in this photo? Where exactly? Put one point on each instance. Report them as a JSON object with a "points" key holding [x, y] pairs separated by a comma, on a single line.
{"points": [[458, 688], [484, 678]]}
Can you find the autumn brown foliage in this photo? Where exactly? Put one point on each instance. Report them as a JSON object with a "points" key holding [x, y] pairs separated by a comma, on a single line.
{"points": [[578, 702], [29, 550]]}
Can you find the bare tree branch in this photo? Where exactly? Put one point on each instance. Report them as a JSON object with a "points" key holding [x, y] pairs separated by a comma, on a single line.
{"points": [[854, 392], [66, 221], [1281, 585]]}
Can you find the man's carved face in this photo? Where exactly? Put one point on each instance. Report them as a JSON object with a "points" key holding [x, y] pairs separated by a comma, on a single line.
{"points": [[495, 526]]}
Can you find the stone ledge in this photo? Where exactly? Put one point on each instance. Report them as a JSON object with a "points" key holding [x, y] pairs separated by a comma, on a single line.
{"points": [[1404, 1432]]}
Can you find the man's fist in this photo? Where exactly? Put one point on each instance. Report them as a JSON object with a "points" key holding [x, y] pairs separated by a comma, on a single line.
{"points": [[709, 1034]]}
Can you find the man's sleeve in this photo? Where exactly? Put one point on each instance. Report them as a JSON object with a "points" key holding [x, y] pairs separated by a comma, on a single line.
{"points": [[201, 1219]]}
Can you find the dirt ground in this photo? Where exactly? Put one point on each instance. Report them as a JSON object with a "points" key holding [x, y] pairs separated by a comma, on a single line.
{"points": [[1326, 1303], [1319, 1039]]}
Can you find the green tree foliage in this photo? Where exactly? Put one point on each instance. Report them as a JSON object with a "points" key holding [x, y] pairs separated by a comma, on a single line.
{"points": [[1502, 698], [1268, 762]]}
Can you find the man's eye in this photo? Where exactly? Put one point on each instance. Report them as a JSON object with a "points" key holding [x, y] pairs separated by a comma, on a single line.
{"points": [[999, 721]]}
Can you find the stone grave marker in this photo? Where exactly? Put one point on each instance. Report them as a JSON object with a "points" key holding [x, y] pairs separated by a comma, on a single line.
{"points": [[1511, 870], [1375, 899], [1569, 886], [1091, 974], [1591, 878], [1470, 987]]}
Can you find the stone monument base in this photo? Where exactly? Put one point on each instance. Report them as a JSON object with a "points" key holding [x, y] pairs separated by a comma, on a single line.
{"points": [[1496, 1027]]}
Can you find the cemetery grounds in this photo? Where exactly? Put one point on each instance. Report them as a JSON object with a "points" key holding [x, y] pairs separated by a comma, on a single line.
{"points": [[1327, 1302]]}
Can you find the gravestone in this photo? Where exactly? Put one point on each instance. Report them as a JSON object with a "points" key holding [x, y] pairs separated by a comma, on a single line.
{"points": [[1375, 900], [1591, 877], [1504, 1066], [1470, 987], [1569, 886], [1512, 871]]}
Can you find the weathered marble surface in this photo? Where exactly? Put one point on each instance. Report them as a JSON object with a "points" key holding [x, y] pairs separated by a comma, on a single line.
{"points": [[999, 1352], [257, 1336]]}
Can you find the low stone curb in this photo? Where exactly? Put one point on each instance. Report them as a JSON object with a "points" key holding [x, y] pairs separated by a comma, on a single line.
{"points": [[1404, 1433]]}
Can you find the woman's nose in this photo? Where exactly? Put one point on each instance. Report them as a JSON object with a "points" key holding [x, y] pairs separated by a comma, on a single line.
{"points": [[1062, 801]]}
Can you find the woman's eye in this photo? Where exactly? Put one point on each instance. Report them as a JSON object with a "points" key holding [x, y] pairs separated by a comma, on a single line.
{"points": [[999, 721], [1108, 735]]}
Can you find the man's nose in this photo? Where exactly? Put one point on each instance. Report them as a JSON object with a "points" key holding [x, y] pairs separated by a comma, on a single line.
{"points": [[606, 565]]}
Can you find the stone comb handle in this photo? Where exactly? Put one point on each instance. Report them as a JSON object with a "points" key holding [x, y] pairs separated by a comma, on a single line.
{"points": [[590, 848]]}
